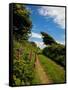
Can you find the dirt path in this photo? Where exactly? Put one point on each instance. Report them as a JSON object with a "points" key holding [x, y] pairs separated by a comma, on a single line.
{"points": [[41, 73]]}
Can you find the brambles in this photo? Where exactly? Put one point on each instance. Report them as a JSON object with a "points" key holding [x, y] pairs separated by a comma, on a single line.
{"points": [[23, 67], [23, 71]]}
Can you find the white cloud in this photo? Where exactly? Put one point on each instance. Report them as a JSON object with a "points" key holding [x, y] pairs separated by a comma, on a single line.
{"points": [[61, 42], [40, 44], [35, 35], [57, 13]]}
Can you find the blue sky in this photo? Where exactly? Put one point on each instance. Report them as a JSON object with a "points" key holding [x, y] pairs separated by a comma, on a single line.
{"points": [[47, 19]]}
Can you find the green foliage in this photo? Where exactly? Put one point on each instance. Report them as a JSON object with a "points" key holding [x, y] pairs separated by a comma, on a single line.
{"points": [[47, 39], [17, 82], [21, 22], [24, 51], [33, 44], [54, 71], [56, 52], [23, 68]]}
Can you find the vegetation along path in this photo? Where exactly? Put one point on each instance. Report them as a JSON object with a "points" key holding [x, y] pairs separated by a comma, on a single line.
{"points": [[41, 74]]}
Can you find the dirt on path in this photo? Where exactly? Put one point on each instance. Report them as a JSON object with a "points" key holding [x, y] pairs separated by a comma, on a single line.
{"points": [[41, 74]]}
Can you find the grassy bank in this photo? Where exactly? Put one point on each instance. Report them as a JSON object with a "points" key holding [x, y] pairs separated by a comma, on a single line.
{"points": [[54, 71]]}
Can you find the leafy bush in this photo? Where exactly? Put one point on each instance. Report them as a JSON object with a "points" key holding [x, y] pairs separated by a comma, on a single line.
{"points": [[56, 52], [23, 68]]}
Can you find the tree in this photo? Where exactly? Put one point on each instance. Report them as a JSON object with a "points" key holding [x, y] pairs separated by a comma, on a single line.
{"points": [[56, 52], [47, 39], [22, 23], [33, 44]]}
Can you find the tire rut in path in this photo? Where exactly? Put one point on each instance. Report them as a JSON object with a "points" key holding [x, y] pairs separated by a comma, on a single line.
{"points": [[41, 73]]}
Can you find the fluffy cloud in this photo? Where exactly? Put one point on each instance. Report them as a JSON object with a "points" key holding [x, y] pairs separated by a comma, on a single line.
{"points": [[35, 35], [40, 44], [57, 13], [61, 42]]}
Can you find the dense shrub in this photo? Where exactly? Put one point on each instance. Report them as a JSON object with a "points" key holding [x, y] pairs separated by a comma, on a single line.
{"points": [[56, 52], [23, 67]]}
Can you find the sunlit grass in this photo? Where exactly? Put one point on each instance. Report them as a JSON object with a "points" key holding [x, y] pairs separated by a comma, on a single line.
{"points": [[54, 71]]}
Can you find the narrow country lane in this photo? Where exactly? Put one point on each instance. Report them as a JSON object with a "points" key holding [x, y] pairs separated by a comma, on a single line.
{"points": [[41, 73]]}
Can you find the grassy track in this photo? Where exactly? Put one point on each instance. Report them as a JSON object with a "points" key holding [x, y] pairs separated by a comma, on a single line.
{"points": [[44, 79], [54, 71]]}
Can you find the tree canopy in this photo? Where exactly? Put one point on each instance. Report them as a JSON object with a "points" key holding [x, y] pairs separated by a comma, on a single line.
{"points": [[56, 52], [22, 23], [33, 44], [47, 39]]}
